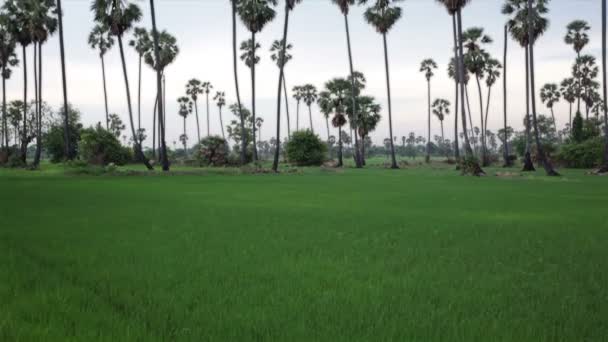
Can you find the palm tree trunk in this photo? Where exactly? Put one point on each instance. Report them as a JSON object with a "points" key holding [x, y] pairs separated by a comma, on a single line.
{"points": [[236, 85], [354, 99], [4, 114], [136, 143], [554, 122], [485, 121], [139, 99], [340, 161], [310, 118], [297, 115], [198, 126], [161, 123], [541, 151], [154, 126], [286, 106], [483, 133], [473, 166], [222, 123], [570, 117], [528, 164], [508, 162], [208, 122], [275, 162], [390, 110], [253, 128], [24, 133], [456, 144], [604, 168], [66, 126], [35, 64], [442, 137], [39, 105], [578, 94], [184, 141], [105, 91], [326, 124], [428, 142], [466, 91]]}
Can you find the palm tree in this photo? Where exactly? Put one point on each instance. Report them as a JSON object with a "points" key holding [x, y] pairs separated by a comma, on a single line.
{"points": [[337, 90], [8, 59], [297, 95], [255, 14], [258, 123], [66, 127], [604, 167], [141, 42], [550, 95], [577, 36], [369, 117], [289, 6], [193, 89], [207, 87], [44, 25], [220, 101], [382, 16], [492, 72], [427, 66], [507, 159], [568, 91], [236, 81], [309, 95], [120, 16], [100, 39], [441, 109], [250, 57], [185, 109], [531, 40], [344, 6], [585, 70], [276, 48], [518, 24], [326, 107]]}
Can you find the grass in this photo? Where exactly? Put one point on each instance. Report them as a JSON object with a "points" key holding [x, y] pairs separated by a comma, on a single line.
{"points": [[407, 255]]}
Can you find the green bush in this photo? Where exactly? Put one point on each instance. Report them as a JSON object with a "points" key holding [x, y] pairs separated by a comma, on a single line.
{"points": [[212, 151], [53, 142], [100, 147], [584, 155], [305, 149]]}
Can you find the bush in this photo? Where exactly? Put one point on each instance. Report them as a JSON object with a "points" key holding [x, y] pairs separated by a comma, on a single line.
{"points": [[212, 151], [584, 155], [100, 147], [305, 149], [577, 128], [53, 141]]}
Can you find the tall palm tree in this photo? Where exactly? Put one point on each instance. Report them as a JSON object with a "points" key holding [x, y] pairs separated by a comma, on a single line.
{"points": [[337, 90], [577, 36], [297, 95], [120, 16], [550, 95], [251, 58], [234, 4], [531, 40], [492, 72], [344, 6], [585, 70], [568, 91], [44, 25], [258, 123], [309, 95], [220, 101], [255, 14], [382, 16], [325, 103], [508, 161], [604, 167], [66, 127], [141, 42], [369, 117], [207, 87], [289, 6], [100, 39], [427, 66], [276, 48], [518, 24], [185, 109], [8, 60], [441, 109], [193, 90]]}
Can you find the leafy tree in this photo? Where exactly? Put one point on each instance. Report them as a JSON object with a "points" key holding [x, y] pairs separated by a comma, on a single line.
{"points": [[306, 149], [116, 125], [212, 151], [54, 138], [101, 147]]}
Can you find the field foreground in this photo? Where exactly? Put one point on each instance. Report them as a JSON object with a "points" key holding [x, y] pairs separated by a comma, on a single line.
{"points": [[409, 255]]}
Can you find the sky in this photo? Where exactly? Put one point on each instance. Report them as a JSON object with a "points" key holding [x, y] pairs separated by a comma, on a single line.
{"points": [[203, 30]]}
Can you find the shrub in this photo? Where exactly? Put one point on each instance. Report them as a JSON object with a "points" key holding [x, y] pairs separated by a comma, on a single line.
{"points": [[100, 147], [584, 155], [305, 149], [53, 141], [577, 128], [212, 151]]}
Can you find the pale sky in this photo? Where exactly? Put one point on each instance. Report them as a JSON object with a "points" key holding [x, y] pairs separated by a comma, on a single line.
{"points": [[203, 31]]}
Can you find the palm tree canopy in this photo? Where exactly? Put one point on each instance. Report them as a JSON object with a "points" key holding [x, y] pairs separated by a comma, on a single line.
{"points": [[43, 22], [568, 89], [518, 21], [441, 108], [383, 14], [576, 35], [167, 51], [297, 93], [185, 106], [344, 5], [220, 99], [141, 41], [100, 39], [207, 87], [277, 52], [19, 20], [492, 71], [118, 15], [453, 5], [249, 55], [585, 70], [309, 94], [476, 58], [255, 14], [360, 81], [8, 45], [550, 94], [368, 115], [454, 75], [193, 89], [427, 66]]}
